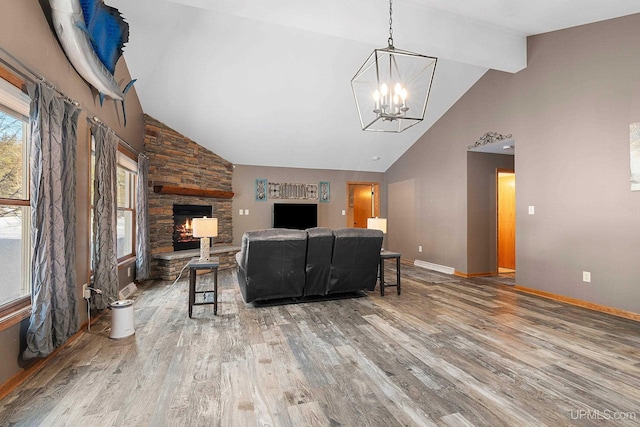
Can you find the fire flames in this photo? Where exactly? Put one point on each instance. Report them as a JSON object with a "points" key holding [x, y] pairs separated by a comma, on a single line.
{"points": [[184, 232]]}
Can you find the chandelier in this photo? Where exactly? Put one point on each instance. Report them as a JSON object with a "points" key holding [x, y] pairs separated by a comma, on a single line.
{"points": [[392, 87]]}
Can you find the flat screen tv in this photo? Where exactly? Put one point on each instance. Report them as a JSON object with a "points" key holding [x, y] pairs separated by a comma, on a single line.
{"points": [[298, 216]]}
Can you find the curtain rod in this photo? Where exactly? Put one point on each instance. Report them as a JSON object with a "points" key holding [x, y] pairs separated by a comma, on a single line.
{"points": [[34, 77], [95, 119]]}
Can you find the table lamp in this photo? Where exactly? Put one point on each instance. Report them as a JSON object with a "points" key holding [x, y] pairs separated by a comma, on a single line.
{"points": [[377, 224], [205, 228]]}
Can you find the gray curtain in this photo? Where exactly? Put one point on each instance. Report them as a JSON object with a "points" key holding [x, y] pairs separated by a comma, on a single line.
{"points": [[54, 314], [105, 257], [142, 217]]}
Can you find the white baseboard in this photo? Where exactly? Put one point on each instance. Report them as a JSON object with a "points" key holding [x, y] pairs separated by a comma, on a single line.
{"points": [[436, 267]]}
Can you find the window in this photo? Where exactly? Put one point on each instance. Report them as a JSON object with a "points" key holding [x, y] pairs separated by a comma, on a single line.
{"points": [[15, 245], [126, 206], [125, 200]]}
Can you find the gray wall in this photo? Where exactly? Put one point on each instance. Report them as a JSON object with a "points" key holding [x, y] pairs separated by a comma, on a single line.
{"points": [[569, 112], [403, 217], [261, 213], [427, 193], [26, 34]]}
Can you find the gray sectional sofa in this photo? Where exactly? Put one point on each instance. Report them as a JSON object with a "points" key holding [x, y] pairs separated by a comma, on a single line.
{"points": [[282, 263]]}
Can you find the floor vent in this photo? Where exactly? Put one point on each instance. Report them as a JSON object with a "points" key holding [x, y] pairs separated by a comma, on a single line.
{"points": [[436, 267], [127, 291]]}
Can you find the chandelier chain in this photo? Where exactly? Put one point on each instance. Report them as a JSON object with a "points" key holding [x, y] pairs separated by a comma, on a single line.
{"points": [[390, 41]]}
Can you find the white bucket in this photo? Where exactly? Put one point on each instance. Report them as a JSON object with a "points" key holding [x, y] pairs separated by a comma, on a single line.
{"points": [[122, 319]]}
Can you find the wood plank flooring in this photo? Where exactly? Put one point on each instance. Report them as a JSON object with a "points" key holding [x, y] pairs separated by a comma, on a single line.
{"points": [[447, 352]]}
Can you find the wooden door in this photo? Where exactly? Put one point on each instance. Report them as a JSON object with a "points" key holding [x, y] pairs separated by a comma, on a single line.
{"points": [[361, 205], [507, 220], [364, 203]]}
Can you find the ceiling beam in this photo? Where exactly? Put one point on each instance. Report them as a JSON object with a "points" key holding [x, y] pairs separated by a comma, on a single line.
{"points": [[417, 27]]}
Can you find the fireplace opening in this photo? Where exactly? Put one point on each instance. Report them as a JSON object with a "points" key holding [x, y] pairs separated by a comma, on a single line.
{"points": [[182, 231]]}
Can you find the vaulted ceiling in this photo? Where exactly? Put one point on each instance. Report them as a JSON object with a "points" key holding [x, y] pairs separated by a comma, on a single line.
{"points": [[268, 82]]}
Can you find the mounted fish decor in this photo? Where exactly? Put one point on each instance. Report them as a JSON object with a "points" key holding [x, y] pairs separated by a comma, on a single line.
{"points": [[92, 35]]}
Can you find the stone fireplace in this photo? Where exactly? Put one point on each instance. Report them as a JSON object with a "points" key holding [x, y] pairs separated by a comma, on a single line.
{"points": [[181, 173]]}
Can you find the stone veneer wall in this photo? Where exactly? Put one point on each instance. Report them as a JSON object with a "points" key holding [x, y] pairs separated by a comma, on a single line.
{"points": [[176, 160]]}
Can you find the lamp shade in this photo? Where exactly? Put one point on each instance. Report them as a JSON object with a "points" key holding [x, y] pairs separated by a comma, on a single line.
{"points": [[377, 224], [205, 227]]}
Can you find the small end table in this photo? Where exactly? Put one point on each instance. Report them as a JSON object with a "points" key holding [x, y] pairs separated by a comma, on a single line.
{"points": [[194, 265], [389, 255]]}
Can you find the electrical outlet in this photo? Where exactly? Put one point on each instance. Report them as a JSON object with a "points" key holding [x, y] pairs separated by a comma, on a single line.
{"points": [[586, 276], [419, 248], [86, 292]]}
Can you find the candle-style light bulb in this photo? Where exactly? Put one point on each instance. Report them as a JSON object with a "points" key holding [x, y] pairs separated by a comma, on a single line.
{"points": [[403, 95], [384, 101], [376, 97], [398, 88]]}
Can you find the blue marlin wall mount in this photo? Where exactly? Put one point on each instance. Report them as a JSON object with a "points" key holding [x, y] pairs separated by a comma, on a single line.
{"points": [[93, 35]]}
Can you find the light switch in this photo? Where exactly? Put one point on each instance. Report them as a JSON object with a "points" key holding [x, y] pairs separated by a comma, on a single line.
{"points": [[532, 210], [343, 212], [241, 212], [246, 211]]}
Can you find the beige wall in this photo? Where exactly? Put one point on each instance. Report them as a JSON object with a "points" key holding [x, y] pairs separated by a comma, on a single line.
{"points": [[261, 213], [569, 112], [26, 35]]}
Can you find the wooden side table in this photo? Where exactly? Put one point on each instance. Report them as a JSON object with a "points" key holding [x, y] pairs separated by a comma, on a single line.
{"points": [[389, 255], [194, 265]]}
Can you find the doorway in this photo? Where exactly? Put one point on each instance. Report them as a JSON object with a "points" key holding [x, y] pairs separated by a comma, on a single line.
{"points": [[506, 221], [363, 203]]}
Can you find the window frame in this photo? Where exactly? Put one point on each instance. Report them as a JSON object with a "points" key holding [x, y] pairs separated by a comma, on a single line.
{"points": [[127, 162], [15, 102]]}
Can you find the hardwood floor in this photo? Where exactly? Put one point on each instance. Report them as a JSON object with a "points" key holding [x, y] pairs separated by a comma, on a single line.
{"points": [[447, 352]]}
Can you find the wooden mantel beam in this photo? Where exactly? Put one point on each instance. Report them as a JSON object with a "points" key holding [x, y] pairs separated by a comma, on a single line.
{"points": [[196, 192]]}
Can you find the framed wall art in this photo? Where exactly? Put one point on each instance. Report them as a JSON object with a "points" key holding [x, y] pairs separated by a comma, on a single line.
{"points": [[261, 190], [324, 192], [634, 137], [287, 190]]}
